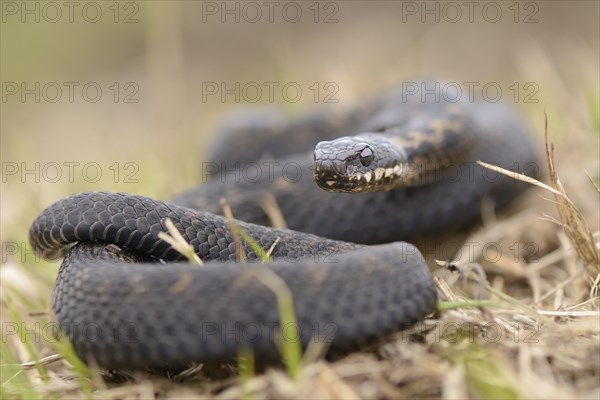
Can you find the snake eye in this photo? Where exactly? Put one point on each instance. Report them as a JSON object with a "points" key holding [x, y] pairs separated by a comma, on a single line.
{"points": [[366, 157]]}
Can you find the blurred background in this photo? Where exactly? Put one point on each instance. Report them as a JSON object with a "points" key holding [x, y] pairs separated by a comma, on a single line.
{"points": [[126, 95]]}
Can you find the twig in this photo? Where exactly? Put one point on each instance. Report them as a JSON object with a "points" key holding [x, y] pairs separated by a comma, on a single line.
{"points": [[33, 364], [235, 234], [177, 241]]}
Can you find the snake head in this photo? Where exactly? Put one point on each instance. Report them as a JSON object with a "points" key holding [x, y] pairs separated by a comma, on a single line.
{"points": [[363, 163]]}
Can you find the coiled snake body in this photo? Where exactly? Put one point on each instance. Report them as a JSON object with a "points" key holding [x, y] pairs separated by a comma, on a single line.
{"points": [[122, 307]]}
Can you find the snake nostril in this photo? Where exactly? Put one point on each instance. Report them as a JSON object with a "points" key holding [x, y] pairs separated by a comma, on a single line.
{"points": [[339, 168]]}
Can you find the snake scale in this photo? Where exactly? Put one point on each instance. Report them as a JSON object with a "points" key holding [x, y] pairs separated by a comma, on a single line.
{"points": [[125, 299]]}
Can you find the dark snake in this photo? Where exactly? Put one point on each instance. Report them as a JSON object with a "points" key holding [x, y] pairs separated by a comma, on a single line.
{"points": [[121, 306]]}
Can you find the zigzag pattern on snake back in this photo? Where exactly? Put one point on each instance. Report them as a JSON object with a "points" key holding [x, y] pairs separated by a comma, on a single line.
{"points": [[147, 314]]}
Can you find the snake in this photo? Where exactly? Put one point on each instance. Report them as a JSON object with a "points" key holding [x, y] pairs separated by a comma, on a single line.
{"points": [[367, 182]]}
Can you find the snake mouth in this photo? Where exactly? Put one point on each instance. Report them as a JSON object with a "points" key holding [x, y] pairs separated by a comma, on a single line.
{"points": [[330, 185], [331, 178]]}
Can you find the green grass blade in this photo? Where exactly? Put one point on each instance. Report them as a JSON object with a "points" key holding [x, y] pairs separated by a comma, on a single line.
{"points": [[291, 350], [260, 252], [486, 376], [25, 339], [449, 305], [246, 368], [14, 382], [82, 373]]}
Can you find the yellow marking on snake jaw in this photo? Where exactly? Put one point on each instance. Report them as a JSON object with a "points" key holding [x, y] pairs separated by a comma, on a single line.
{"points": [[182, 283], [388, 172], [330, 183], [368, 177], [397, 170], [379, 173]]}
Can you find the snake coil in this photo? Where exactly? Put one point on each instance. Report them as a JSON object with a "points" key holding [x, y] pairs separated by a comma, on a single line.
{"points": [[122, 307]]}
